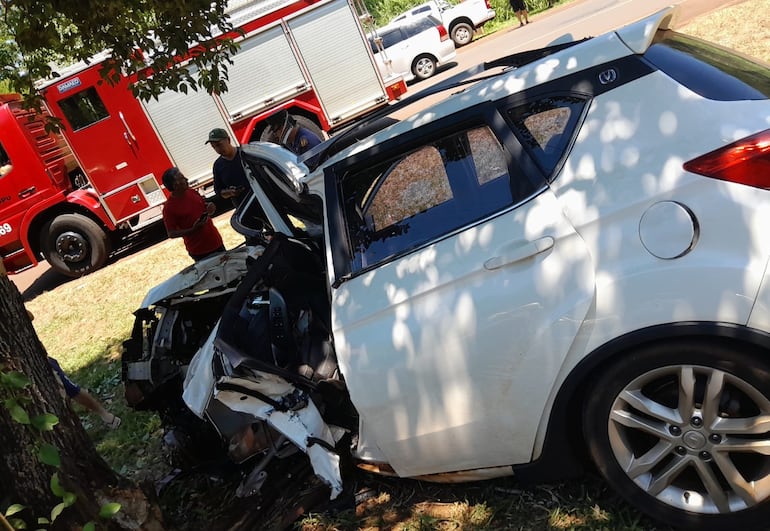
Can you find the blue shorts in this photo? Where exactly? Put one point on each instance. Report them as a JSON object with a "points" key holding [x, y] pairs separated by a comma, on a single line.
{"points": [[71, 388]]}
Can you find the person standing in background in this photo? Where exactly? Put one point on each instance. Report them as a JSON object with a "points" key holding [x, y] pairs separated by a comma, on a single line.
{"points": [[186, 215], [229, 176], [520, 9]]}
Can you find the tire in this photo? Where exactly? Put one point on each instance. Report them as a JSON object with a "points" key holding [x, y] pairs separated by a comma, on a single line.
{"points": [[682, 431], [462, 34], [265, 134], [75, 245], [423, 67]]}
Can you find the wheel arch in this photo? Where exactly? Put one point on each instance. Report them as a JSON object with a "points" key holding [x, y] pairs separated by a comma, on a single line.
{"points": [[563, 452], [34, 230], [253, 131], [460, 20]]}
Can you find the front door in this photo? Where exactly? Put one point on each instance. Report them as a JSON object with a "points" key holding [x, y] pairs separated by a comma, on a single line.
{"points": [[113, 141]]}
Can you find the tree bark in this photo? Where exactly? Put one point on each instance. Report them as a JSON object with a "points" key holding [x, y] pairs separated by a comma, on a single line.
{"points": [[23, 478]]}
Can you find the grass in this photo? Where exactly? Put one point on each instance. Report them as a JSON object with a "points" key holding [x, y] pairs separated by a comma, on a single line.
{"points": [[84, 321], [744, 27]]}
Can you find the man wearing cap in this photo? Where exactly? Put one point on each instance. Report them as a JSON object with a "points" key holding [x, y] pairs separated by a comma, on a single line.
{"points": [[229, 176]]}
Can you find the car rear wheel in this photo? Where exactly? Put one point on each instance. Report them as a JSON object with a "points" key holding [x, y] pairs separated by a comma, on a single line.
{"points": [[75, 245], [424, 67], [462, 34], [682, 431]]}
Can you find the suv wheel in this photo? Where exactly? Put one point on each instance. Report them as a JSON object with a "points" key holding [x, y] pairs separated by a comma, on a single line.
{"points": [[462, 34], [424, 67], [682, 431]]}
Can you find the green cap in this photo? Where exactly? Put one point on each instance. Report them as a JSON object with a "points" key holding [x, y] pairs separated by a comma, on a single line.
{"points": [[217, 134]]}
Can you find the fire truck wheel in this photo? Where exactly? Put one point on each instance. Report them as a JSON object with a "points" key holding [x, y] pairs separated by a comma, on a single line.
{"points": [[75, 245]]}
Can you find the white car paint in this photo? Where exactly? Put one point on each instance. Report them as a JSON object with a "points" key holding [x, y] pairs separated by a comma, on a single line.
{"points": [[453, 352], [399, 53]]}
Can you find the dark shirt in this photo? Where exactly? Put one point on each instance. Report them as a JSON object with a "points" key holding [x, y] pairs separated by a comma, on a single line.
{"points": [[304, 140], [229, 173]]}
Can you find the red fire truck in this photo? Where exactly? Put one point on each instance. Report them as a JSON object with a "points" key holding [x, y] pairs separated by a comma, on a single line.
{"points": [[69, 197]]}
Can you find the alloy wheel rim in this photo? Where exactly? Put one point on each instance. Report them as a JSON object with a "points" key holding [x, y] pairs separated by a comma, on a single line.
{"points": [[695, 438]]}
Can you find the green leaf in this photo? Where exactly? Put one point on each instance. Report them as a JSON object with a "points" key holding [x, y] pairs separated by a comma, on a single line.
{"points": [[90, 526], [15, 379], [17, 523], [43, 521], [18, 413], [56, 511], [69, 499], [56, 487], [108, 510], [45, 422], [15, 508], [49, 455]]}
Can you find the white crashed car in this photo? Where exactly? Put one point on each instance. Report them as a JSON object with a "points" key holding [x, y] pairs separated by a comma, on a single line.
{"points": [[567, 258]]}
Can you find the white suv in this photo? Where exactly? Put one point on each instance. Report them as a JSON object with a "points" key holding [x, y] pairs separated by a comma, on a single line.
{"points": [[413, 48], [462, 19], [563, 262]]}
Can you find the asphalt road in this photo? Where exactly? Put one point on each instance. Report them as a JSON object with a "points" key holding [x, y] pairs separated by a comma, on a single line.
{"points": [[575, 20]]}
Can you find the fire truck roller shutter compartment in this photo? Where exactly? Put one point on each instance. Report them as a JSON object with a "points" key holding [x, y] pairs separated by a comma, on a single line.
{"points": [[265, 71], [183, 121], [337, 56]]}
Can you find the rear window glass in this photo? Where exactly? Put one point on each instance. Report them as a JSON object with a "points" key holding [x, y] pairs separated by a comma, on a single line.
{"points": [[709, 70], [419, 25], [390, 38]]}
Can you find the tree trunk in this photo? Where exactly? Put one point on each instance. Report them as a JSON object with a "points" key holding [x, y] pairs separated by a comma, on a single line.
{"points": [[24, 479]]}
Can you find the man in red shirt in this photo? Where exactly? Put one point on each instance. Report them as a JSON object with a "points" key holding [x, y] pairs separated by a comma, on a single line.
{"points": [[187, 215]]}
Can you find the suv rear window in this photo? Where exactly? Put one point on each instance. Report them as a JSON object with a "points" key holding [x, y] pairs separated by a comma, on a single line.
{"points": [[418, 25], [707, 69]]}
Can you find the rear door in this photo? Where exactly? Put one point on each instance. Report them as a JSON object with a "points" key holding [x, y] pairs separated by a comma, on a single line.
{"points": [[459, 296]]}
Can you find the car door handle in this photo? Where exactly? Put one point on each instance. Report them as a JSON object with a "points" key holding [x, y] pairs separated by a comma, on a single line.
{"points": [[521, 252]]}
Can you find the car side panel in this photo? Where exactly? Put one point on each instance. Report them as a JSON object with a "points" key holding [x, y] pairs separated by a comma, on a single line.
{"points": [[626, 163], [464, 337]]}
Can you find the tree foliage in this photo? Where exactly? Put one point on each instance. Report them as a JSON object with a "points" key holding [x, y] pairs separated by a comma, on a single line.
{"points": [[143, 37]]}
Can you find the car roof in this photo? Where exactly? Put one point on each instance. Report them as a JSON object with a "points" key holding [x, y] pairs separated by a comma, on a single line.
{"points": [[519, 72], [405, 22]]}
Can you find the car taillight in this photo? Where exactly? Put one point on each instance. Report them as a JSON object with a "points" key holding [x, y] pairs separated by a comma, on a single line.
{"points": [[442, 34], [746, 161], [489, 6]]}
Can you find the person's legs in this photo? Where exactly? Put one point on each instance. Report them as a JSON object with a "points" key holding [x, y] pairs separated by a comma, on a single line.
{"points": [[81, 396], [70, 388], [85, 399]]}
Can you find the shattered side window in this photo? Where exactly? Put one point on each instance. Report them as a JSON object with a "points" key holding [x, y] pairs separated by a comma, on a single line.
{"points": [[402, 203], [417, 184], [545, 127]]}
